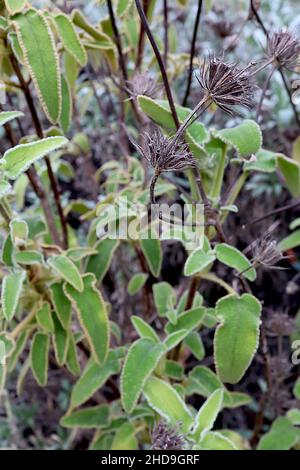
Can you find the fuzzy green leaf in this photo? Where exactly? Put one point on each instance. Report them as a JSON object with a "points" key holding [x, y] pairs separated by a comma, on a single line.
{"points": [[12, 285], [7, 116], [136, 283], [194, 342], [38, 45], [62, 304], [143, 329], [18, 159], [39, 357], [125, 438], [164, 297], [207, 414], [15, 6], [246, 138], [188, 320], [66, 105], [141, 360], [123, 6], [216, 441], [100, 262], [198, 261], [282, 436], [44, 318], [87, 418], [290, 170], [92, 378], [233, 258], [70, 38], [92, 315], [152, 251], [166, 401], [236, 338], [60, 339], [265, 161], [28, 257], [67, 270]]}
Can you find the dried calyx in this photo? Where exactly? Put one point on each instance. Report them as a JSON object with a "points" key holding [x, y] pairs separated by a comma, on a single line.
{"points": [[266, 252], [284, 49], [226, 84], [143, 84], [164, 437]]}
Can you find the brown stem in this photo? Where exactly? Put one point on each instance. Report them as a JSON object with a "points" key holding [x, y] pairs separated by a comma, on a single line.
{"points": [[286, 86], [258, 18], [192, 53], [264, 91], [192, 292], [141, 42], [146, 290], [159, 61], [39, 131], [274, 212]]}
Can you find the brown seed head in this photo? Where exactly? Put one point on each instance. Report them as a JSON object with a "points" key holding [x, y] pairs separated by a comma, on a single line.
{"points": [[143, 84], [284, 48], [226, 84], [164, 437], [266, 252], [165, 153]]}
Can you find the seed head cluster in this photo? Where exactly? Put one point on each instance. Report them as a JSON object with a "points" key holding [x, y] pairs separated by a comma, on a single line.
{"points": [[284, 47]]}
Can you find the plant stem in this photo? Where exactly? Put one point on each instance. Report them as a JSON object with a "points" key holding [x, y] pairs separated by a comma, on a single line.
{"points": [[141, 42], [217, 184], [192, 53], [264, 91], [213, 278], [23, 323], [234, 193]]}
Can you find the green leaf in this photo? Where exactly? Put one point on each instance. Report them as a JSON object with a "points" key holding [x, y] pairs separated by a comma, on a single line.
{"points": [[216, 441], [167, 402], [194, 343], [7, 116], [264, 161], [198, 261], [174, 370], [15, 6], [203, 381], [60, 341], [236, 338], [5, 188], [175, 338], [72, 362], [100, 262], [44, 318], [296, 389], [246, 138], [282, 436], [290, 170], [164, 297], [152, 251], [207, 414], [39, 357], [123, 6], [289, 242], [18, 159], [66, 106], [188, 320], [70, 38], [125, 438], [38, 45], [92, 378], [87, 418], [12, 285], [137, 281], [62, 304], [233, 258], [136, 371], [143, 329], [67, 270], [92, 315], [28, 257]]}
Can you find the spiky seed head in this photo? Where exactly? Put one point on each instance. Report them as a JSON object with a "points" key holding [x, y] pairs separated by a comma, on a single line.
{"points": [[165, 153], [284, 48], [266, 252], [143, 84], [164, 437], [226, 84]]}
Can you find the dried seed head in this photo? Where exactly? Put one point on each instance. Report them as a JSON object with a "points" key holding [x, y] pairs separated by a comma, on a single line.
{"points": [[226, 84], [280, 324], [284, 48], [266, 252], [143, 84], [165, 153], [222, 28], [164, 437]]}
